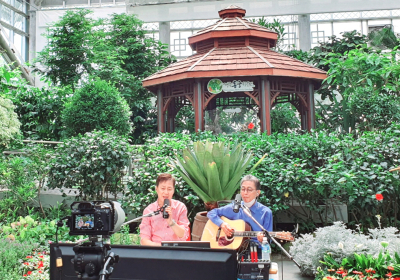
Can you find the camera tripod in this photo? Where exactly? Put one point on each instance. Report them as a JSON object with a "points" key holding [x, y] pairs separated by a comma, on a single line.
{"points": [[94, 260]]}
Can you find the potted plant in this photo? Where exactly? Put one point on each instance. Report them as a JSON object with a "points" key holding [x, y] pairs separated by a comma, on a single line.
{"points": [[213, 171]]}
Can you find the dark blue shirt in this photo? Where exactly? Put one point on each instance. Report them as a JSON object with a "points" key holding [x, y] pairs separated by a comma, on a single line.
{"points": [[261, 213]]}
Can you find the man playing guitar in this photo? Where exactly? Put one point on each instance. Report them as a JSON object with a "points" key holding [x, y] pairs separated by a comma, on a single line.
{"points": [[249, 190]]}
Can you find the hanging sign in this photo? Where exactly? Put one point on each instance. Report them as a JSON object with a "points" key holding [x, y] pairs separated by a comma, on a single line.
{"points": [[216, 86]]}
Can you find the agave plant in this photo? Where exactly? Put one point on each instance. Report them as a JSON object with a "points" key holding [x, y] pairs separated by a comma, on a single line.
{"points": [[213, 170]]}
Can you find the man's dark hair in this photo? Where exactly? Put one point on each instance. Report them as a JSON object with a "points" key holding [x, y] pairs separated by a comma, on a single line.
{"points": [[252, 179], [165, 177]]}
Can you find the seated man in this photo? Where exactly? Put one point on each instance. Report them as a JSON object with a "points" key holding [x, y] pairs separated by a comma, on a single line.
{"points": [[155, 229], [249, 190]]}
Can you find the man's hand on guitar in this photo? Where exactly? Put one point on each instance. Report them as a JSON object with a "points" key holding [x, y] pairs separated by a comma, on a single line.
{"points": [[227, 229]]}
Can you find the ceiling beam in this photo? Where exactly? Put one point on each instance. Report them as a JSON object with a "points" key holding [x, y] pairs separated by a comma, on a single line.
{"points": [[5, 4], [13, 56]]}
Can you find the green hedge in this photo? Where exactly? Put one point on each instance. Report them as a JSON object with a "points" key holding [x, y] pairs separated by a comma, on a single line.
{"points": [[314, 169]]}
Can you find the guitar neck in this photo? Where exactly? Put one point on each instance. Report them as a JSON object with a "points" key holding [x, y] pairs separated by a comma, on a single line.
{"points": [[250, 233]]}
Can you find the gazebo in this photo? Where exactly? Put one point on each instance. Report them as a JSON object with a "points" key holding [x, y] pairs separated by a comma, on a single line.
{"points": [[234, 63]]}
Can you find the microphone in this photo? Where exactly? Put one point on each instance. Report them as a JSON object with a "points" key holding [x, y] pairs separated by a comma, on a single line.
{"points": [[237, 203], [165, 215]]}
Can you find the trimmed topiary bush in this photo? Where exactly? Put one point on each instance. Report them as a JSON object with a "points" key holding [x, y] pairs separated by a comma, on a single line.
{"points": [[97, 105], [93, 164]]}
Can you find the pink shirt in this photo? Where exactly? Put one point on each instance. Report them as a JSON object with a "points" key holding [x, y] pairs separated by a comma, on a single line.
{"points": [[156, 228]]}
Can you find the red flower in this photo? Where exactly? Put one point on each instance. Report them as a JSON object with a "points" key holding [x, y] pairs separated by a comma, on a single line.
{"points": [[25, 275], [379, 196], [29, 272], [370, 270], [40, 264], [26, 263], [389, 274], [29, 257], [251, 125], [390, 268]]}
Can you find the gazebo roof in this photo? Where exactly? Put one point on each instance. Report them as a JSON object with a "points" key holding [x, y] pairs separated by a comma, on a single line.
{"points": [[232, 24], [234, 47]]}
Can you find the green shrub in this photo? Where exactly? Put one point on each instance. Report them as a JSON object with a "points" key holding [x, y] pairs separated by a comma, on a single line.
{"points": [[93, 163], [41, 232], [154, 157], [340, 242], [17, 185], [39, 111], [9, 123], [315, 170], [11, 252], [97, 105]]}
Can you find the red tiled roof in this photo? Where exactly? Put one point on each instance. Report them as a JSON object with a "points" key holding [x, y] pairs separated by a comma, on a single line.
{"points": [[231, 25], [238, 57], [222, 62]]}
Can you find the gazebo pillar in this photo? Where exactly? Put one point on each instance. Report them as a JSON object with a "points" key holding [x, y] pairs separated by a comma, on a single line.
{"points": [[311, 107], [160, 114], [171, 113], [265, 106], [198, 107]]}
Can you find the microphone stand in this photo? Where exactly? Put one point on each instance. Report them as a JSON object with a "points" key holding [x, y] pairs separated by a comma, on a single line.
{"points": [[247, 211], [145, 216]]}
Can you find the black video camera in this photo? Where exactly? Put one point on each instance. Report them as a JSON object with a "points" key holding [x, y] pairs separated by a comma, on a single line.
{"points": [[95, 218]]}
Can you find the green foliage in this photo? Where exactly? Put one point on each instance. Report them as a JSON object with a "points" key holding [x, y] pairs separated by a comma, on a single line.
{"points": [[92, 163], [334, 45], [126, 56], [362, 84], [314, 171], [67, 56], [22, 178], [97, 105], [363, 265], [184, 120], [39, 111], [5, 78], [284, 119], [368, 84], [18, 186], [336, 249], [154, 158], [384, 38], [120, 50], [10, 255], [26, 229], [9, 124], [212, 170]]}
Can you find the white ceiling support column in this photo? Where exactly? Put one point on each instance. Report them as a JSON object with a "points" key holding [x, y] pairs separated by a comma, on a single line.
{"points": [[32, 35], [165, 33], [305, 32]]}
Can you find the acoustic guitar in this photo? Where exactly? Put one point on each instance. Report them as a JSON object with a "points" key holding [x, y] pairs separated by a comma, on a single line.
{"points": [[216, 236]]}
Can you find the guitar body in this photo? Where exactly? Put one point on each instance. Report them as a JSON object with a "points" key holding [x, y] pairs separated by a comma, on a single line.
{"points": [[212, 234], [218, 240]]}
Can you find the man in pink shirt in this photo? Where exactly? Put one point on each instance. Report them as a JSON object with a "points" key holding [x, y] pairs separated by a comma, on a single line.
{"points": [[155, 229]]}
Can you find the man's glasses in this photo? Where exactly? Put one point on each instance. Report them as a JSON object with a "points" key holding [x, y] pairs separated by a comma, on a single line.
{"points": [[249, 190]]}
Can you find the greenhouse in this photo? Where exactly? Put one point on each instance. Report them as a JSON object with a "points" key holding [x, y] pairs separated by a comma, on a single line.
{"points": [[200, 139]]}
